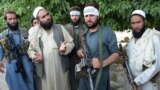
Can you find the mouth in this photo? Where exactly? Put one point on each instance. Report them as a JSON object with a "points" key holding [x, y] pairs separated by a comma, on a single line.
{"points": [[89, 22], [137, 30]]}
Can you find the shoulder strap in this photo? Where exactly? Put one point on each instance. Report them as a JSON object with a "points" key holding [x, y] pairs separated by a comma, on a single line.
{"points": [[101, 62]]}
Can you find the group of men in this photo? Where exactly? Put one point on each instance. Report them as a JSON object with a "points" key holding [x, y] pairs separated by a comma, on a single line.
{"points": [[55, 55]]}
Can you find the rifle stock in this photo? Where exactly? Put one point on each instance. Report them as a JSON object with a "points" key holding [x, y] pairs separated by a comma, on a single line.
{"points": [[126, 66]]}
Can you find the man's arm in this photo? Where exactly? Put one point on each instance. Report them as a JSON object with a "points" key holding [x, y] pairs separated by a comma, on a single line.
{"points": [[1, 58], [111, 59], [150, 72], [111, 44], [68, 42]]}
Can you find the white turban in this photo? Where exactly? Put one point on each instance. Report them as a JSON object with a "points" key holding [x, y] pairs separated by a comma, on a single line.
{"points": [[90, 10], [36, 11], [139, 12]]}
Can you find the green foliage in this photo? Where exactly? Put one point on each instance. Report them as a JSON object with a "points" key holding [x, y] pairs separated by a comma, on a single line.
{"points": [[114, 13]]}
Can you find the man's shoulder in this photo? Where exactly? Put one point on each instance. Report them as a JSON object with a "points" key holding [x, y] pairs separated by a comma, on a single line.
{"points": [[4, 33], [155, 34], [67, 26], [106, 29], [35, 29]]}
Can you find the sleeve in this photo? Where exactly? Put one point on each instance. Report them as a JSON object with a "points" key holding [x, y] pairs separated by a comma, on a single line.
{"points": [[68, 40], [150, 72], [1, 53], [34, 42], [112, 42]]}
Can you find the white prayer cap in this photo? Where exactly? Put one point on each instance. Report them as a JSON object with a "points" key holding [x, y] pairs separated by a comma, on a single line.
{"points": [[36, 11], [90, 10], [139, 12]]}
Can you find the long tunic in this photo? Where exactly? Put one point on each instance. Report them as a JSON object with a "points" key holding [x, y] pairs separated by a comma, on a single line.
{"points": [[109, 46], [76, 33], [136, 51], [14, 79], [54, 78]]}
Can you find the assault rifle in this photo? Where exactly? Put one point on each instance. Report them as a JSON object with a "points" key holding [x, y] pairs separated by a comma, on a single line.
{"points": [[16, 52], [126, 66], [90, 70], [84, 68]]}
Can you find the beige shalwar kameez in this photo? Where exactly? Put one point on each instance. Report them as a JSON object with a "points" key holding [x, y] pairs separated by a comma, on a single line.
{"points": [[54, 77]]}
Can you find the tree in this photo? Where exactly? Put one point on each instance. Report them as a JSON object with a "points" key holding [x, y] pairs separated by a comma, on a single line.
{"points": [[114, 13]]}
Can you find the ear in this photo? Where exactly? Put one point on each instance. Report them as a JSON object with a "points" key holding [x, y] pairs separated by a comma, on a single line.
{"points": [[145, 22]]}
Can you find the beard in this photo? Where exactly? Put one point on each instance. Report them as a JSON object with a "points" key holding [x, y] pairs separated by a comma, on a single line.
{"points": [[13, 26], [47, 25], [138, 34], [75, 23], [94, 24]]}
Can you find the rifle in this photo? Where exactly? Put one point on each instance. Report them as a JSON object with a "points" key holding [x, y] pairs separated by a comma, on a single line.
{"points": [[84, 68], [16, 52], [90, 70], [126, 66]]}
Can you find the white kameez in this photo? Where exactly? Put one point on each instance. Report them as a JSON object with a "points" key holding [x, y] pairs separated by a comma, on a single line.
{"points": [[143, 77]]}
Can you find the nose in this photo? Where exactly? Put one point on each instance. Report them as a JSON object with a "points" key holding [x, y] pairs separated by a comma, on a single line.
{"points": [[13, 20], [135, 25]]}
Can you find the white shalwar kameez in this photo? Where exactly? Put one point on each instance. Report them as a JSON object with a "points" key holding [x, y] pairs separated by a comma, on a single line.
{"points": [[145, 52]]}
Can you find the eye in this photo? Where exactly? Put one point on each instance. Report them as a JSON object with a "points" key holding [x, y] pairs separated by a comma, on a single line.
{"points": [[86, 16]]}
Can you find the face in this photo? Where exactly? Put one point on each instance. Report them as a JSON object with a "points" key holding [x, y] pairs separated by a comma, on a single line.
{"points": [[12, 21], [75, 19], [91, 21], [45, 19], [137, 23], [35, 22], [138, 26]]}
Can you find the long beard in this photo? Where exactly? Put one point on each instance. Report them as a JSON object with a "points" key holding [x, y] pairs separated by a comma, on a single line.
{"points": [[137, 35], [48, 25], [13, 27], [94, 24], [75, 23]]}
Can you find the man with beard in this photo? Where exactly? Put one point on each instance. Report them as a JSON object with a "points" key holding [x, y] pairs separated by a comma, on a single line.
{"points": [[49, 46], [102, 47], [143, 52], [76, 31], [19, 69]]}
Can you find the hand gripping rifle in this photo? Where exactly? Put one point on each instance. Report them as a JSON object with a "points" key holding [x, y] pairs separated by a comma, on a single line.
{"points": [[126, 66], [87, 60]]}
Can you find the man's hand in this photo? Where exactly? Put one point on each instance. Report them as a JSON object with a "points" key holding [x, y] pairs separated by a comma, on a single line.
{"points": [[1, 67], [62, 47], [134, 85], [37, 57], [80, 53], [96, 63]]}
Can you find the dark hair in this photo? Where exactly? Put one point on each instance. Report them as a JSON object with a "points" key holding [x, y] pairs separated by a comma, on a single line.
{"points": [[32, 19], [75, 8], [94, 4], [10, 12]]}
